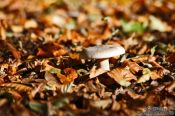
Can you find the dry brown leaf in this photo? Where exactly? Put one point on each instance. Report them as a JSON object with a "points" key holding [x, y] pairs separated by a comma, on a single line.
{"points": [[143, 49], [156, 74], [135, 95], [69, 76], [170, 57], [41, 52], [3, 101], [30, 24], [122, 75], [52, 82], [94, 72], [14, 93], [145, 58], [133, 66], [14, 51], [115, 106], [102, 104], [17, 28], [38, 89], [18, 87], [171, 88], [2, 30], [51, 49]]}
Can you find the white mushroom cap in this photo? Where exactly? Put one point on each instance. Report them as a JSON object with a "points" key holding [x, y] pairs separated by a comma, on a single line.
{"points": [[102, 51]]}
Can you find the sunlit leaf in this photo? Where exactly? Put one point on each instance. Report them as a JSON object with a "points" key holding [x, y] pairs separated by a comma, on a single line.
{"points": [[124, 83], [101, 104], [153, 50], [159, 25], [145, 77], [67, 88], [55, 70]]}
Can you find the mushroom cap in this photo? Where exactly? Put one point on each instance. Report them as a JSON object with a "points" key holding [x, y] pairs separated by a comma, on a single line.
{"points": [[102, 51]]}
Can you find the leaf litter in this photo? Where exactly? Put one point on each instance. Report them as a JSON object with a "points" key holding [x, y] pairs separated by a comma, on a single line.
{"points": [[42, 72]]}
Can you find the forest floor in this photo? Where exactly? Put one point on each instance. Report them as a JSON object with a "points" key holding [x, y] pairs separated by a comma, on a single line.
{"points": [[43, 74]]}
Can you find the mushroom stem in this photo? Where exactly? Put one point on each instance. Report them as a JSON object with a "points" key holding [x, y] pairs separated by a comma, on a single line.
{"points": [[104, 64]]}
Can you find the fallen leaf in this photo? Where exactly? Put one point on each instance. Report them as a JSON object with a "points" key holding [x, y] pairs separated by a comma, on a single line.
{"points": [[122, 75], [124, 83], [157, 24], [170, 57], [133, 66], [74, 56], [10, 91], [134, 95], [17, 28], [3, 101], [146, 73], [52, 81], [67, 88], [94, 72], [2, 29], [69, 76], [101, 104], [30, 24], [18, 87], [16, 54], [51, 49], [171, 88]]}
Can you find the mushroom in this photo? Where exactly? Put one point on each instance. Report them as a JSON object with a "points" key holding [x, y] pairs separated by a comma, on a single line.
{"points": [[102, 53]]}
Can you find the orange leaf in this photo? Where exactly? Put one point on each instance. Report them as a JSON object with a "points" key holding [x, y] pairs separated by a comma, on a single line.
{"points": [[122, 75], [16, 54], [70, 75], [51, 49], [133, 66], [41, 52], [75, 56]]}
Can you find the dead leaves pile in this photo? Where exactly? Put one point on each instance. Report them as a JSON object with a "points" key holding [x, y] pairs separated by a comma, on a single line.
{"points": [[42, 72], [131, 69]]}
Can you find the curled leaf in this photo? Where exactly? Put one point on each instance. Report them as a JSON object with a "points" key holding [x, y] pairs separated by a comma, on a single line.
{"points": [[69, 76], [82, 72]]}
